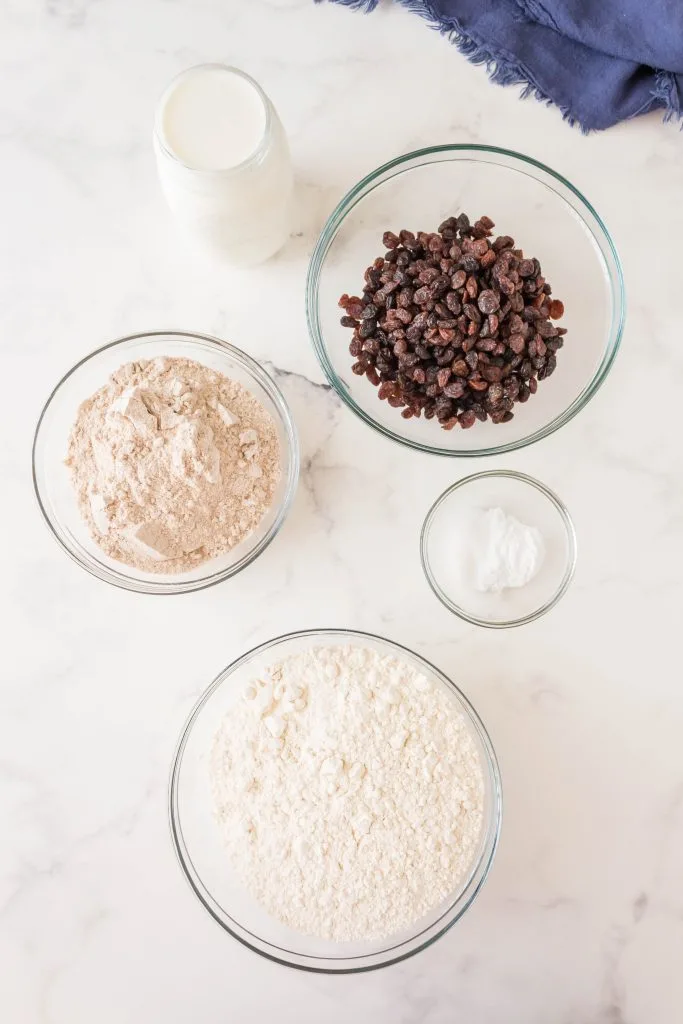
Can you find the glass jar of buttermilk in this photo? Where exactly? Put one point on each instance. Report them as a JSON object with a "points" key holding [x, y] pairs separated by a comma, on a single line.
{"points": [[223, 163]]}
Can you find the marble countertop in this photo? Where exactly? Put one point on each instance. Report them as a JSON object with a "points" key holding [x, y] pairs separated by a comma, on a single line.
{"points": [[581, 921]]}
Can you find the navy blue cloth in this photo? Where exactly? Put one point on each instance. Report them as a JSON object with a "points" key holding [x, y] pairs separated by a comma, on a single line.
{"points": [[599, 61]]}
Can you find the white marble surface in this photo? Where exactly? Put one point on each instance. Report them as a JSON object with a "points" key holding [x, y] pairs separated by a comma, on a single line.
{"points": [[581, 921]]}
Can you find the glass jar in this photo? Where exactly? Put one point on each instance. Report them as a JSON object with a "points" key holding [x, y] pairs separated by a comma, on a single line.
{"points": [[238, 211]]}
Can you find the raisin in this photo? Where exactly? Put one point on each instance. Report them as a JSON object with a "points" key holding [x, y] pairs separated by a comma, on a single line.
{"points": [[517, 343], [488, 301], [422, 296], [493, 374], [494, 394], [545, 329], [503, 242], [469, 263], [454, 389]]}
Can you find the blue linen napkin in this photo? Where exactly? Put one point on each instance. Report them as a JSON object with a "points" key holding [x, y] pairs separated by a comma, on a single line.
{"points": [[599, 61]]}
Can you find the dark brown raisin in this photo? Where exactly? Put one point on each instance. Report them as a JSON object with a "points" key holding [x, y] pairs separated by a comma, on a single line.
{"points": [[471, 312], [545, 329], [488, 301], [494, 394], [503, 242], [493, 374], [454, 389], [517, 343]]}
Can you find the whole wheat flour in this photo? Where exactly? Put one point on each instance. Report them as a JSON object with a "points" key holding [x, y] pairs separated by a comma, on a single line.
{"points": [[349, 791], [173, 464]]}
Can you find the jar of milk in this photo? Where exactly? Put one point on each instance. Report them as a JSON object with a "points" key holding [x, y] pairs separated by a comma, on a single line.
{"points": [[223, 163]]}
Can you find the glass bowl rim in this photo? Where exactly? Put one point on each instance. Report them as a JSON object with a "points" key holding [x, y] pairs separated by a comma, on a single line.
{"points": [[375, 178], [478, 874], [570, 533], [122, 578]]}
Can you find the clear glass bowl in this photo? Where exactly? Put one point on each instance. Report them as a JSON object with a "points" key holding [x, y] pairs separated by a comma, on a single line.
{"points": [[546, 216], [52, 479], [446, 568], [199, 846]]}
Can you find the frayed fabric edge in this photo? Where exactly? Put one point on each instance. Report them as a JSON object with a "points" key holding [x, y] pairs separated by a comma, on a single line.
{"points": [[666, 93], [503, 71], [356, 5]]}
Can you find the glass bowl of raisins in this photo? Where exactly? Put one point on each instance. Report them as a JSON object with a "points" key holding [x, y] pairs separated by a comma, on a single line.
{"points": [[465, 300]]}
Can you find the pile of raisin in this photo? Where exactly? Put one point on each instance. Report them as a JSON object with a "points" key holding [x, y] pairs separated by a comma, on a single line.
{"points": [[454, 326]]}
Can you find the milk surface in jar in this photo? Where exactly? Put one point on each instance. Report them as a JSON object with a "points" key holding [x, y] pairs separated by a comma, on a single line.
{"points": [[224, 164]]}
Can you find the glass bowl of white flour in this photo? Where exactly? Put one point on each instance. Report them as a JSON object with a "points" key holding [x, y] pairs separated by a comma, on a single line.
{"points": [[137, 472], [335, 801]]}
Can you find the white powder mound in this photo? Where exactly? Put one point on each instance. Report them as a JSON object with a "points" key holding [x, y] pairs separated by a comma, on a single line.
{"points": [[505, 552], [173, 464], [349, 791]]}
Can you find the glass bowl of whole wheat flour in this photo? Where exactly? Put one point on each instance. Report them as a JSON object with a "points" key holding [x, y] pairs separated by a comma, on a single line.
{"points": [[335, 801], [61, 499]]}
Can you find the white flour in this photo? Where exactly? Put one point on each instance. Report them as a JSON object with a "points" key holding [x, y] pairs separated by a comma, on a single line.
{"points": [[349, 791]]}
